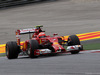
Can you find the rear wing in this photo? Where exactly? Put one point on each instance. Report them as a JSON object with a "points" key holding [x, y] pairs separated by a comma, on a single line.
{"points": [[23, 31], [26, 31]]}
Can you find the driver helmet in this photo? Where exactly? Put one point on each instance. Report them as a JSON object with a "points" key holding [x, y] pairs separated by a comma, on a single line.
{"points": [[42, 35]]}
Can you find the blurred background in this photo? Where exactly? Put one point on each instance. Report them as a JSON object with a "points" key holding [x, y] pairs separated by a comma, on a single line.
{"points": [[6, 3]]}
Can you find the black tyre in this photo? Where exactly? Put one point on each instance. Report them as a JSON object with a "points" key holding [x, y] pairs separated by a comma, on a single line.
{"points": [[12, 50], [73, 40], [32, 45]]}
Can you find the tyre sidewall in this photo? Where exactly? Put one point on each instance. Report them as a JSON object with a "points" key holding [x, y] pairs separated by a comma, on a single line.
{"points": [[11, 50]]}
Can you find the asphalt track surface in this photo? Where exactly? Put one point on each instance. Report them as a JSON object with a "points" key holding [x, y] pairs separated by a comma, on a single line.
{"points": [[65, 17], [62, 64]]}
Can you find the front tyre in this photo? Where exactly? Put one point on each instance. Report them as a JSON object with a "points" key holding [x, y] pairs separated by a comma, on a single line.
{"points": [[73, 40], [12, 50], [33, 45]]}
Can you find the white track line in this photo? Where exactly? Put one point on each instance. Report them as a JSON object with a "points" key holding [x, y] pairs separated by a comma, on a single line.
{"points": [[90, 51]]}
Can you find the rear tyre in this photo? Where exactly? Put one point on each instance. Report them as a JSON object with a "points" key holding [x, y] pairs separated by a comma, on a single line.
{"points": [[12, 50], [32, 46], [73, 40]]}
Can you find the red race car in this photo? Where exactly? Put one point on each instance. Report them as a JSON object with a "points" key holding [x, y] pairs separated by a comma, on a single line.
{"points": [[40, 44]]}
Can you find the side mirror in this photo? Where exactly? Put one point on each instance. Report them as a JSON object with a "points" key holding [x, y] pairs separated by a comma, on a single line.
{"points": [[55, 34]]}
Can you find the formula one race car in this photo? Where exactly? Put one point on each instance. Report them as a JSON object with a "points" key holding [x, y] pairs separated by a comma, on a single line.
{"points": [[41, 44]]}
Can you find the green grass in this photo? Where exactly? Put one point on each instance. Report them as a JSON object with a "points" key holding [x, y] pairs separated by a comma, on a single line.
{"points": [[92, 46], [1, 55]]}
